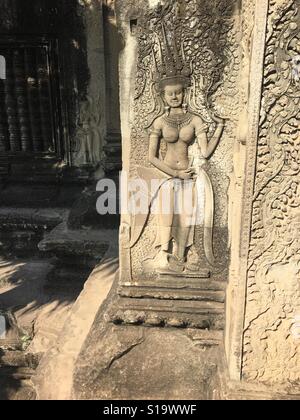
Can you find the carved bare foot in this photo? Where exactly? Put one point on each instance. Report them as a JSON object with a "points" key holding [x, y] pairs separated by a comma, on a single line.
{"points": [[160, 261], [192, 267], [176, 264]]}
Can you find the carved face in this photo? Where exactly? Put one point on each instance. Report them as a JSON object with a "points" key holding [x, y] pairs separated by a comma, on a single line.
{"points": [[173, 95]]}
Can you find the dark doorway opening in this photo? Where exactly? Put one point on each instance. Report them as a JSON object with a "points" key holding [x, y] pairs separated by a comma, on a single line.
{"points": [[30, 106]]}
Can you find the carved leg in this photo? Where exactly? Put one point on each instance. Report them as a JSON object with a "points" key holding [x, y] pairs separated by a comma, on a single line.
{"points": [[182, 241], [180, 251]]}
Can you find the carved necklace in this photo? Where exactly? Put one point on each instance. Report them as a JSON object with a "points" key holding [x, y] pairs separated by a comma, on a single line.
{"points": [[178, 121]]}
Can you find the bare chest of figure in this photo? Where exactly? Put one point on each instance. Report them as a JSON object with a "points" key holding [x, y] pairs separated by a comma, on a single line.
{"points": [[176, 135], [178, 141]]}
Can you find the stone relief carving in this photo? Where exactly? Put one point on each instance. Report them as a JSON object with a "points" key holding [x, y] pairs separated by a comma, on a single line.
{"points": [[200, 34], [180, 171], [237, 175], [271, 349], [89, 133]]}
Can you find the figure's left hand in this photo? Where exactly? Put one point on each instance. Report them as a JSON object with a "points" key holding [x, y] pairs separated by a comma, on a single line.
{"points": [[185, 174], [194, 172]]}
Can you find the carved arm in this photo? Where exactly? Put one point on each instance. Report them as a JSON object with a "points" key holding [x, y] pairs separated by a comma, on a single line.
{"points": [[207, 147], [158, 163]]}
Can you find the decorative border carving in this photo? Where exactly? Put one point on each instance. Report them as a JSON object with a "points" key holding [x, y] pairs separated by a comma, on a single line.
{"points": [[271, 350], [257, 61]]}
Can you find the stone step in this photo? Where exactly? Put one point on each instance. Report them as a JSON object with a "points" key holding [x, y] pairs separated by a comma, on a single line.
{"points": [[66, 243], [173, 306], [27, 181], [23, 228], [198, 294], [179, 284], [12, 218], [20, 243]]}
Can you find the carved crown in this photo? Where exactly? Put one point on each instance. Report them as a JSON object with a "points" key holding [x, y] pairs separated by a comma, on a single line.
{"points": [[170, 63]]}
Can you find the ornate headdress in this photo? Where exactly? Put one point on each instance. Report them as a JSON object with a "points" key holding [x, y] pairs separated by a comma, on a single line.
{"points": [[170, 66]]}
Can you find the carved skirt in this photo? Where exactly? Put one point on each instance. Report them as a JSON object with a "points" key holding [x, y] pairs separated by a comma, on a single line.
{"points": [[179, 206]]}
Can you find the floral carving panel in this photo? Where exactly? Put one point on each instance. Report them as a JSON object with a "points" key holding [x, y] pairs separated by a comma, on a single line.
{"points": [[272, 336]]}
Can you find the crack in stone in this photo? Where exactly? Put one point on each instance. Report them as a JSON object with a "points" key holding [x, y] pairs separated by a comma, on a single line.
{"points": [[124, 353]]}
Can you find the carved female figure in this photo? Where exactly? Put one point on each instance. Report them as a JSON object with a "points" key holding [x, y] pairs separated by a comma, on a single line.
{"points": [[89, 135], [180, 169], [179, 129]]}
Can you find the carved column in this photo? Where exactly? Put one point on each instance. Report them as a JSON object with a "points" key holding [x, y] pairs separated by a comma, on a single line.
{"points": [[22, 100], [3, 119], [33, 99], [263, 324], [112, 45], [27, 111], [11, 105], [45, 99]]}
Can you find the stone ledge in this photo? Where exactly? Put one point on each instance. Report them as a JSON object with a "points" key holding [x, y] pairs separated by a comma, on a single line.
{"points": [[83, 242], [189, 294], [46, 218]]}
